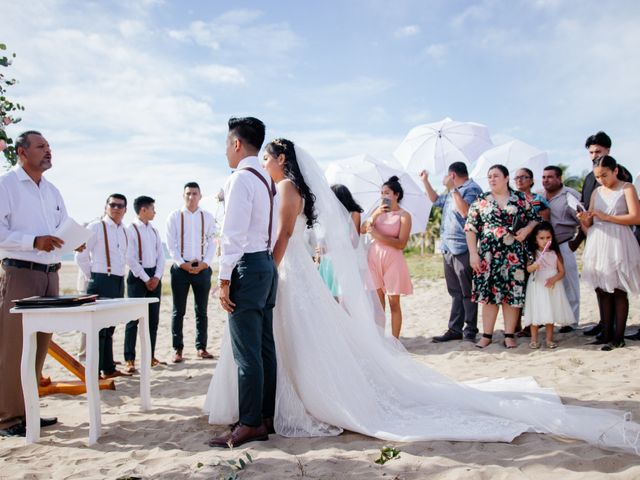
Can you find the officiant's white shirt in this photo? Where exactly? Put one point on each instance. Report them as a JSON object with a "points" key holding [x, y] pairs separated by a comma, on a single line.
{"points": [[245, 228], [28, 210]]}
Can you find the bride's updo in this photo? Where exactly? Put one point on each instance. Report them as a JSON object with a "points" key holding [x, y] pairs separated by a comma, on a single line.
{"points": [[292, 172]]}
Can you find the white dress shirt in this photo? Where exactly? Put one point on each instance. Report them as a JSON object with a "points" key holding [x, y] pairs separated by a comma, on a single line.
{"points": [[150, 247], [246, 220], [195, 249], [28, 210], [94, 257]]}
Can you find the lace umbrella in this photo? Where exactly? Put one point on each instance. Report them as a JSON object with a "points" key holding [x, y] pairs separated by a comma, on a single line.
{"points": [[513, 155], [364, 175], [435, 146]]}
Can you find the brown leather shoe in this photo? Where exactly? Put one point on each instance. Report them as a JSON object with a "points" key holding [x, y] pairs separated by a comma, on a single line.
{"points": [[241, 434], [203, 354], [130, 366], [155, 362], [177, 357], [115, 373], [268, 424]]}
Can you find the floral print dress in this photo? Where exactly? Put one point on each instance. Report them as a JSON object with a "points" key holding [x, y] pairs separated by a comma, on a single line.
{"points": [[502, 257]]}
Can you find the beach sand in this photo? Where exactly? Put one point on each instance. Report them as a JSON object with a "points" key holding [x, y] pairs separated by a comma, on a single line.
{"points": [[170, 440]]}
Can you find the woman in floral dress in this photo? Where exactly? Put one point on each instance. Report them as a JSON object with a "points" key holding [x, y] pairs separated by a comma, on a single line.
{"points": [[498, 223]]}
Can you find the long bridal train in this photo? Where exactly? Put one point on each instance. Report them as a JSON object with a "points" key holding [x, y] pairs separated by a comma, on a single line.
{"points": [[335, 370]]}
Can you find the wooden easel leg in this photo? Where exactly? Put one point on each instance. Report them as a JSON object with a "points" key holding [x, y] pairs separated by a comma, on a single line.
{"points": [[75, 367]]}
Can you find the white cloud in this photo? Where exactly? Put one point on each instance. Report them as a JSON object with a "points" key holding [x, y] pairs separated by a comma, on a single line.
{"points": [[132, 28], [239, 31], [220, 74], [327, 145], [436, 51], [417, 118], [474, 13], [240, 16], [407, 31]]}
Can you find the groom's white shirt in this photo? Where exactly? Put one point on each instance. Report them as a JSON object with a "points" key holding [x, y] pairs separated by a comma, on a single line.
{"points": [[246, 219]]}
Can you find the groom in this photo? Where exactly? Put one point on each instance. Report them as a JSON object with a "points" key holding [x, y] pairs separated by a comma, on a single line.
{"points": [[248, 281]]}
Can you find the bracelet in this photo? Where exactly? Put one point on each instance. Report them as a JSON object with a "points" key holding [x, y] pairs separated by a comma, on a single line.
{"points": [[224, 283]]}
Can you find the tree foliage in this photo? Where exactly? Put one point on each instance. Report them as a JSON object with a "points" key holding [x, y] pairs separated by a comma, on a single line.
{"points": [[8, 108]]}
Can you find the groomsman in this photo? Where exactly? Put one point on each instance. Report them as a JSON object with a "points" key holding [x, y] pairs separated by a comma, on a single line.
{"points": [[190, 238], [103, 262], [31, 209], [145, 258]]}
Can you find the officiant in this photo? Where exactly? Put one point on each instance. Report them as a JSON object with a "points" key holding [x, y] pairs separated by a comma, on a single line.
{"points": [[31, 209]]}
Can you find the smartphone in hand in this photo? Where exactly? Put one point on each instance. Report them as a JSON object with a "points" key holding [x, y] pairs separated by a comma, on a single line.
{"points": [[386, 202]]}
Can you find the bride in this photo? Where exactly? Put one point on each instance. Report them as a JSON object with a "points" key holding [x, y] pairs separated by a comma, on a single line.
{"points": [[336, 371]]}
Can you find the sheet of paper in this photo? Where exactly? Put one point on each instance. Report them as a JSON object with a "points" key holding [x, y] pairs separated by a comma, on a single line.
{"points": [[574, 203], [73, 235]]}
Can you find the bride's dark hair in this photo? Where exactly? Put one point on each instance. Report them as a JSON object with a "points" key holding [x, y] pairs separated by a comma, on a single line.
{"points": [[292, 172]]}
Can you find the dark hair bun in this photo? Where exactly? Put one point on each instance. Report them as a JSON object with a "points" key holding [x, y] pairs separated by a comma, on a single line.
{"points": [[393, 179]]}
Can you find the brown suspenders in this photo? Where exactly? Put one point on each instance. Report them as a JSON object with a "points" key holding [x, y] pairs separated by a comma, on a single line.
{"points": [[201, 235], [106, 244], [106, 247], [140, 241], [272, 192]]}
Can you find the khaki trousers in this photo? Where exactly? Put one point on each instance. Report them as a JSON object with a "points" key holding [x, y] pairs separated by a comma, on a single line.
{"points": [[16, 283]]}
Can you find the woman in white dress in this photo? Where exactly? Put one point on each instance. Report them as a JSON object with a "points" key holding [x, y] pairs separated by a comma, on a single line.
{"points": [[336, 371]]}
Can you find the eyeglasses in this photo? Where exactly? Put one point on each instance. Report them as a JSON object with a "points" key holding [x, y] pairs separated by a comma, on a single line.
{"points": [[119, 206], [522, 178]]}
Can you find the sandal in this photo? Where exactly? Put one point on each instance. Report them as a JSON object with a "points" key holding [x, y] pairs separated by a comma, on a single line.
{"points": [[534, 345], [552, 345], [512, 337], [488, 336]]}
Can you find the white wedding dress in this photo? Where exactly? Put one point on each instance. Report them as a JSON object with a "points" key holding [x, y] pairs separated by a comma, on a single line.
{"points": [[337, 371]]}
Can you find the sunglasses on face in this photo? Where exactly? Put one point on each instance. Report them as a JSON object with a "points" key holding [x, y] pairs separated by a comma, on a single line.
{"points": [[119, 206], [522, 178]]}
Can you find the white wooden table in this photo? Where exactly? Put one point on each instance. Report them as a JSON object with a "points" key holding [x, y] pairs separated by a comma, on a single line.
{"points": [[89, 319]]}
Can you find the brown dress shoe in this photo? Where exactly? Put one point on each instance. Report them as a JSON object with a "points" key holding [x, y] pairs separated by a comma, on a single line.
{"points": [[114, 374], [155, 362], [203, 354], [177, 358], [268, 424], [239, 436], [130, 366]]}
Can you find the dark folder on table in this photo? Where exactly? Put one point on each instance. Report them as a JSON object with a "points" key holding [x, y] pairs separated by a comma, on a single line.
{"points": [[59, 301]]}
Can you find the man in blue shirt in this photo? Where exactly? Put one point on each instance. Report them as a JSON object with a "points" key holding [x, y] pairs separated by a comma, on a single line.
{"points": [[462, 192]]}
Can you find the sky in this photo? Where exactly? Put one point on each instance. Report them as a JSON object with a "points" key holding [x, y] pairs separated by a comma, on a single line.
{"points": [[134, 95]]}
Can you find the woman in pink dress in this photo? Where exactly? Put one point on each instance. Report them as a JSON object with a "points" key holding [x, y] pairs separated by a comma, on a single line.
{"points": [[389, 226]]}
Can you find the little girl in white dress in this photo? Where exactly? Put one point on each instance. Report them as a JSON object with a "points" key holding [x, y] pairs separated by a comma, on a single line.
{"points": [[546, 302]]}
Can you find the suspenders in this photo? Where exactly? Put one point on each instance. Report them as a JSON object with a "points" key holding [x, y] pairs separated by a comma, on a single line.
{"points": [[272, 193], [182, 235], [106, 244], [140, 241]]}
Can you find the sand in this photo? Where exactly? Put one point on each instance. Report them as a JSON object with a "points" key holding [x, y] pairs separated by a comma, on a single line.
{"points": [[170, 440]]}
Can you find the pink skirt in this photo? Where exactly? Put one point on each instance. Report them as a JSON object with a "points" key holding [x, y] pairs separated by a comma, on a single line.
{"points": [[389, 270]]}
